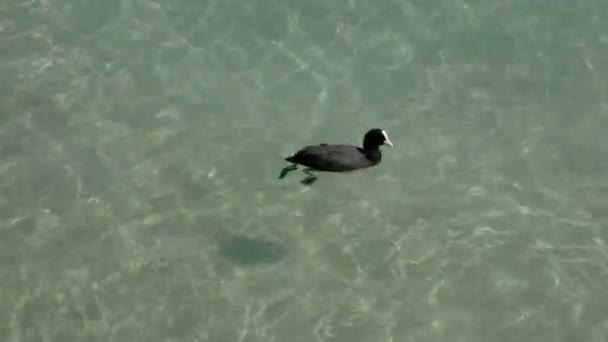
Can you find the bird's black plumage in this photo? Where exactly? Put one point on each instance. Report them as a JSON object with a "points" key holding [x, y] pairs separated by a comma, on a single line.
{"points": [[339, 158]]}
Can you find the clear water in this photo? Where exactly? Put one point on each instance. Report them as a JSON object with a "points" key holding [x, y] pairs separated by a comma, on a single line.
{"points": [[141, 140]]}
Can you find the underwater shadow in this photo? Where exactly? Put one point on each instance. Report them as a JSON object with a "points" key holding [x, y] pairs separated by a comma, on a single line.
{"points": [[248, 251]]}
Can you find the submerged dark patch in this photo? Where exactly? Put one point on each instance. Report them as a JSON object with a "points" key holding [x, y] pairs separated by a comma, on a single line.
{"points": [[246, 250]]}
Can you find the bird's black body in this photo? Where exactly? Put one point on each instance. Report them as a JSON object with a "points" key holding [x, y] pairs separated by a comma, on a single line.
{"points": [[335, 158], [339, 158]]}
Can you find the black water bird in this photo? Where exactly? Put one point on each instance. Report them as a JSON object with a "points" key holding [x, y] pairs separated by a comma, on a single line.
{"points": [[338, 158]]}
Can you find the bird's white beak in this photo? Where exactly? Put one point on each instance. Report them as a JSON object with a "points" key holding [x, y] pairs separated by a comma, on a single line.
{"points": [[387, 141]]}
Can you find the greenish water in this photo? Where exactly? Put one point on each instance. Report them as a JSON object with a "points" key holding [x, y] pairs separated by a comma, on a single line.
{"points": [[141, 140]]}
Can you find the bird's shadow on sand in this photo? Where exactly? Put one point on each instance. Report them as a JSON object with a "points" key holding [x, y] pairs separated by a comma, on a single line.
{"points": [[247, 251]]}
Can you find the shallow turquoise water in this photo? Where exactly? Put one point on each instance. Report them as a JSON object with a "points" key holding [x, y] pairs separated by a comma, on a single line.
{"points": [[140, 144]]}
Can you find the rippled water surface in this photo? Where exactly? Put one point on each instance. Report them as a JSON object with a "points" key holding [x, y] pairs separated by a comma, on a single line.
{"points": [[141, 140]]}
